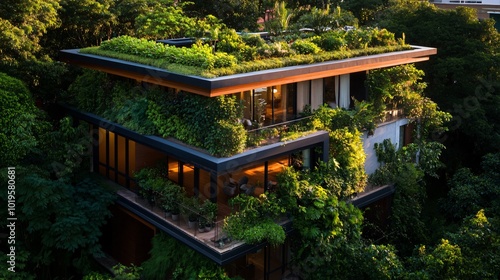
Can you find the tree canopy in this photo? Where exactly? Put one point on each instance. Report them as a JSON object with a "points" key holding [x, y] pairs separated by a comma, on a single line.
{"points": [[17, 121]]}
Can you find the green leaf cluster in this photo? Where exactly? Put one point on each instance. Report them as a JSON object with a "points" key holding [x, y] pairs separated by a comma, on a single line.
{"points": [[346, 150], [120, 101], [255, 220], [472, 192], [179, 116], [59, 220], [199, 55], [171, 259], [17, 120], [22, 26]]}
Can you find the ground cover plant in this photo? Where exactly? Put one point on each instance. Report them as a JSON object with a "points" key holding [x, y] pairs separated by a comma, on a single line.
{"points": [[229, 53]]}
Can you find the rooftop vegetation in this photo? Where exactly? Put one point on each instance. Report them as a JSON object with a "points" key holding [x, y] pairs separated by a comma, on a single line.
{"points": [[231, 53]]}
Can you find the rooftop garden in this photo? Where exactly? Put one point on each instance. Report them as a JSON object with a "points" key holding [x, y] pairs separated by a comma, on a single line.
{"points": [[219, 51]]}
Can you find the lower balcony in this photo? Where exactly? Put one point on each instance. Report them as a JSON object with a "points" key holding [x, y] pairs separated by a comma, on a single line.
{"points": [[211, 242]]}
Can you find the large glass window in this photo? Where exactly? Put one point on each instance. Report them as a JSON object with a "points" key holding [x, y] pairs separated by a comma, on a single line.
{"points": [[116, 157], [269, 105]]}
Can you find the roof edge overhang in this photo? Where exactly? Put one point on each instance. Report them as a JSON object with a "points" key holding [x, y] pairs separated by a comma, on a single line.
{"points": [[212, 87]]}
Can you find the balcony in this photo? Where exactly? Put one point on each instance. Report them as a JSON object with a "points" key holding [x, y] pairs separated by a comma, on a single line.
{"points": [[280, 132], [213, 242]]}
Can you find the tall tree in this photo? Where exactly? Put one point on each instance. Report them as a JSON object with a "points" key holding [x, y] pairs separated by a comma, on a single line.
{"points": [[17, 121], [237, 14], [22, 24], [463, 77], [84, 23]]}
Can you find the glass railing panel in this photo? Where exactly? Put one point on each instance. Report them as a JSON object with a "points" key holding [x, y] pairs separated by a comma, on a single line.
{"points": [[276, 132]]}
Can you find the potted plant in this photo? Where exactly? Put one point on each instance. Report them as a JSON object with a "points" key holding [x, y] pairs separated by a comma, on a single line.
{"points": [[209, 210], [176, 212], [190, 209], [170, 197], [201, 223]]}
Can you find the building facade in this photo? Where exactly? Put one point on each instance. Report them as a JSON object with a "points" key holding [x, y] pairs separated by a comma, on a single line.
{"points": [[275, 99]]}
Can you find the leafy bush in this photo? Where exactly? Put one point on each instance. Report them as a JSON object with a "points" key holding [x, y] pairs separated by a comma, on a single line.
{"points": [[382, 37], [305, 47], [220, 115], [253, 40], [171, 259], [358, 38], [90, 92], [17, 120], [132, 115], [229, 41], [331, 41], [255, 221], [226, 138], [199, 55]]}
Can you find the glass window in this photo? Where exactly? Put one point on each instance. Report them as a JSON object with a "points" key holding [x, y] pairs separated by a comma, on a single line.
{"points": [[173, 169], [329, 97]]}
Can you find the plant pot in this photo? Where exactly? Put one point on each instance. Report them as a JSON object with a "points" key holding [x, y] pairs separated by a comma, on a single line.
{"points": [[208, 228], [175, 217], [192, 224], [168, 213], [201, 229]]}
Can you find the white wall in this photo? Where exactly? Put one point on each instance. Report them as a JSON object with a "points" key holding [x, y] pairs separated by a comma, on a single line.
{"points": [[316, 93], [344, 95], [302, 95], [390, 130]]}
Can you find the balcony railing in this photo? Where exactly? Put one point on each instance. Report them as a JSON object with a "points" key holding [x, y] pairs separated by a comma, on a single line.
{"points": [[213, 235], [393, 115], [275, 132]]}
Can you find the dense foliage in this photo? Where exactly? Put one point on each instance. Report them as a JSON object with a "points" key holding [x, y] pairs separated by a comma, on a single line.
{"points": [[172, 260], [233, 55], [17, 120], [463, 77], [60, 212]]}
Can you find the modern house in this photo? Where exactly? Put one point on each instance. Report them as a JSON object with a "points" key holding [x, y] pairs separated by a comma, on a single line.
{"points": [[275, 97], [484, 8]]}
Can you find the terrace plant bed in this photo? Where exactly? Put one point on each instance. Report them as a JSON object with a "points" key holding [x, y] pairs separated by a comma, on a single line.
{"points": [[234, 54]]}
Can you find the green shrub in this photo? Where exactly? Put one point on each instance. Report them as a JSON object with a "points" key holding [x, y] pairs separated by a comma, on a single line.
{"points": [[229, 41], [382, 37], [255, 221], [170, 259], [132, 114], [17, 120], [220, 115], [253, 40], [226, 138], [90, 92], [199, 55], [305, 47], [332, 41], [358, 38]]}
